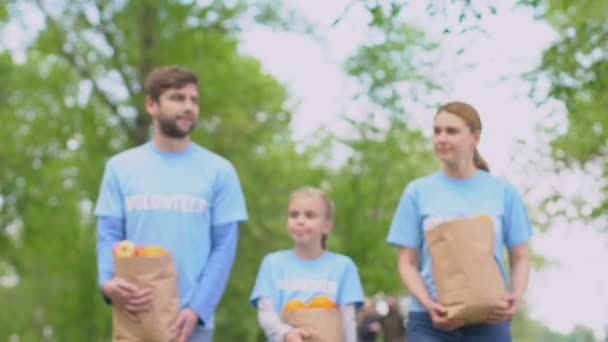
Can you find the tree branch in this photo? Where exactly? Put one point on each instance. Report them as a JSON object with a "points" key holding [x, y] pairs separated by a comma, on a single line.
{"points": [[111, 40], [82, 70], [147, 25]]}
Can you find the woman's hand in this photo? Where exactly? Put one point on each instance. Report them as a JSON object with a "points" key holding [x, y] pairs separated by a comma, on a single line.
{"points": [[505, 313], [439, 316]]}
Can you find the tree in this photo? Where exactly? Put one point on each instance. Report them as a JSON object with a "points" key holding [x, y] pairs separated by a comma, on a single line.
{"points": [[385, 151], [77, 99], [573, 67]]}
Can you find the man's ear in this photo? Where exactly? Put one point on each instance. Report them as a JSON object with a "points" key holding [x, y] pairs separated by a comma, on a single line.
{"points": [[151, 105]]}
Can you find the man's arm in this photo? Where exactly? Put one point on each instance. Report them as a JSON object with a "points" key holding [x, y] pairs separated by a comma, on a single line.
{"points": [[110, 213], [224, 239], [109, 231]]}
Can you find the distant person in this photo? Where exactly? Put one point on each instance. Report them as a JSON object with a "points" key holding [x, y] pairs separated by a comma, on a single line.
{"points": [[369, 323], [463, 187], [393, 326], [306, 271]]}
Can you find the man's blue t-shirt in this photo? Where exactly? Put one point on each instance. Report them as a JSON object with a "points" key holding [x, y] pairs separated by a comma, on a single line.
{"points": [[431, 200], [284, 276], [171, 200]]}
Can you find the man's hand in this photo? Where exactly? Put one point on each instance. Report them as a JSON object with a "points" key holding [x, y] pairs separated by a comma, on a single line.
{"points": [[505, 313], [439, 316], [185, 324], [128, 297], [296, 335]]}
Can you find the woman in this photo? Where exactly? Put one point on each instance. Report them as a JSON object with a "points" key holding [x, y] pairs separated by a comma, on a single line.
{"points": [[462, 188]]}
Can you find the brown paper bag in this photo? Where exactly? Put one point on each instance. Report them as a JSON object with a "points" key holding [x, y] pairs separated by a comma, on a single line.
{"points": [[467, 276], [324, 325], [158, 273]]}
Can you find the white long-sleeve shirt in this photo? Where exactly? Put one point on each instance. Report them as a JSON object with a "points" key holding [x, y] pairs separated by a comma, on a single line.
{"points": [[275, 329]]}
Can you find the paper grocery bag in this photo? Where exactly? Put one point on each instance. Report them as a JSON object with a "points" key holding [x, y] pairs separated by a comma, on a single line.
{"points": [[466, 274], [158, 273], [324, 325]]}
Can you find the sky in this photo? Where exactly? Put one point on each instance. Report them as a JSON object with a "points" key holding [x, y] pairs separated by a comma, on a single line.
{"points": [[488, 75]]}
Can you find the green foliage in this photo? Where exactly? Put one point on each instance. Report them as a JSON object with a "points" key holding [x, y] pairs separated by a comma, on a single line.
{"points": [[526, 329], [391, 69], [369, 187], [386, 153], [77, 100], [467, 13], [574, 67]]}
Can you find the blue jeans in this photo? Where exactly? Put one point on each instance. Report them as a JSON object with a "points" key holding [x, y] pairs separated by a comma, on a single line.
{"points": [[420, 328], [202, 335]]}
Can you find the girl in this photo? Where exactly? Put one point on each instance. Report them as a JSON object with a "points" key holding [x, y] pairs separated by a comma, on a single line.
{"points": [[463, 187], [306, 271]]}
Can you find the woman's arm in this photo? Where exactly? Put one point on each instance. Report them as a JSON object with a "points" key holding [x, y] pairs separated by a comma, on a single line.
{"points": [[411, 277], [519, 260]]}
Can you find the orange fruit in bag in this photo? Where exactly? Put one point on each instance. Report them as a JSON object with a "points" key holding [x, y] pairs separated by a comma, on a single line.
{"points": [[294, 304], [322, 302], [484, 217], [151, 250]]}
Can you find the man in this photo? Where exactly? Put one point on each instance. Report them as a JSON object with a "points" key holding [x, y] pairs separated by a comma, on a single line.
{"points": [[176, 194]]}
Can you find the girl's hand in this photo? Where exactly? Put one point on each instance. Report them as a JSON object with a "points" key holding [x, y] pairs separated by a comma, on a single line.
{"points": [[296, 335], [439, 316], [507, 312]]}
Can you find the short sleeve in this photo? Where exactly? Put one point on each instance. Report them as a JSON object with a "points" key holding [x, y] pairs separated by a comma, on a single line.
{"points": [[264, 286], [228, 201], [406, 228], [518, 228], [351, 290], [110, 201]]}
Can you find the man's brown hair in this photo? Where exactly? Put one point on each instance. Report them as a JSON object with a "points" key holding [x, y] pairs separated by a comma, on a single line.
{"points": [[171, 76]]}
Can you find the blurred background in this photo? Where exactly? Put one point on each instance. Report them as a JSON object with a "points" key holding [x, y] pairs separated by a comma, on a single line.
{"points": [[337, 94]]}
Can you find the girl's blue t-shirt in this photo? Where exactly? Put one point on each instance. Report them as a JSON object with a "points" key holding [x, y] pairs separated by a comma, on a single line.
{"points": [[284, 276]]}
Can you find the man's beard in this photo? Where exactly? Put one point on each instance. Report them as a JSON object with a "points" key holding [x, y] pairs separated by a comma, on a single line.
{"points": [[169, 128]]}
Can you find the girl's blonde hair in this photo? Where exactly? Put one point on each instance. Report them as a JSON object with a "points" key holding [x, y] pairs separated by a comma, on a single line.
{"points": [[328, 204]]}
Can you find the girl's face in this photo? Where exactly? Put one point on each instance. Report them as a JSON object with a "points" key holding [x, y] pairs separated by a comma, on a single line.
{"points": [[307, 220], [453, 140]]}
